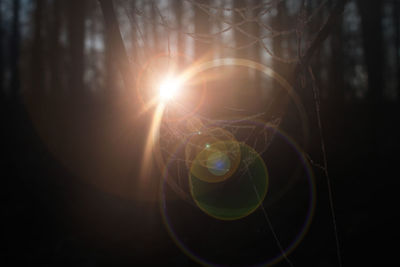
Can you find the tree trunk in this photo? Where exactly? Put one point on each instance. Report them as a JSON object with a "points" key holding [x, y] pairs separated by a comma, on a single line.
{"points": [[15, 41], [277, 93], [279, 23], [134, 35], [37, 68], [110, 67], [180, 46], [254, 52], [55, 51], [1, 50], [116, 44], [336, 90], [201, 26], [76, 31], [371, 19], [239, 38], [396, 21], [154, 27], [371, 16]]}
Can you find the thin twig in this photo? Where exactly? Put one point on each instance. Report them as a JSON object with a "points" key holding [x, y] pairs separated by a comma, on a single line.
{"points": [[317, 101]]}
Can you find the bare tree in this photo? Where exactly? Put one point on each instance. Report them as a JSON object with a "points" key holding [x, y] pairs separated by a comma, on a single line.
{"points": [[37, 64], [1, 49], [76, 32], [396, 21], [202, 27], [279, 22], [178, 13], [134, 33], [154, 29], [15, 44], [336, 85], [371, 15], [55, 49], [239, 38], [110, 67], [113, 35]]}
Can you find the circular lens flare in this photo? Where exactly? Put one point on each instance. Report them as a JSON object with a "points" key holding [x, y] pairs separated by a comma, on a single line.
{"points": [[168, 88], [218, 163]]}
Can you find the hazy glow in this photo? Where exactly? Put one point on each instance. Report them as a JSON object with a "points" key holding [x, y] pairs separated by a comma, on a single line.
{"points": [[168, 88]]}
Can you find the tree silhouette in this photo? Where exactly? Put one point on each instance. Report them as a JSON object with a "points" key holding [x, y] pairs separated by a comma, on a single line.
{"points": [[76, 32]]}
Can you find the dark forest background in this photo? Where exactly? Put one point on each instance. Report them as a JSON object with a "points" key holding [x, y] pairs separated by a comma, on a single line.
{"points": [[60, 77]]}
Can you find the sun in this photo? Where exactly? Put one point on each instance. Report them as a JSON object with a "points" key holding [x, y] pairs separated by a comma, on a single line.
{"points": [[169, 88]]}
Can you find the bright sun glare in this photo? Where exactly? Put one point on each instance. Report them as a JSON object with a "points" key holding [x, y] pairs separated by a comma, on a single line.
{"points": [[168, 88]]}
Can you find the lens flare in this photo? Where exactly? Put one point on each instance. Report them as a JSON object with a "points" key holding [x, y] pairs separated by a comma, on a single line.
{"points": [[169, 88], [218, 163], [212, 155], [236, 197]]}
